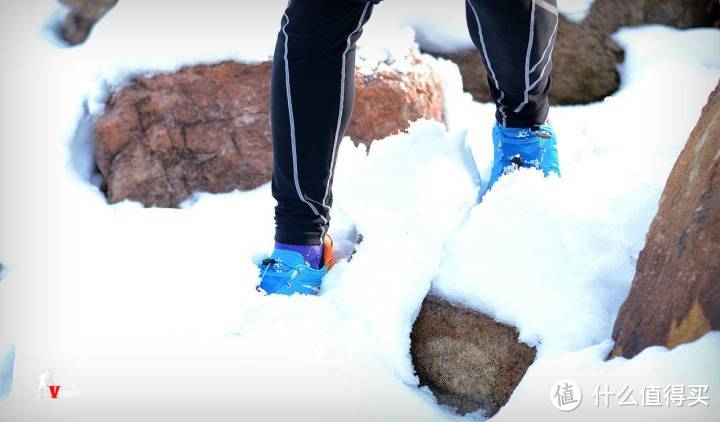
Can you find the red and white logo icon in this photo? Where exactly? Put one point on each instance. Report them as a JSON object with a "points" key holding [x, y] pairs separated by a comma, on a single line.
{"points": [[49, 388]]}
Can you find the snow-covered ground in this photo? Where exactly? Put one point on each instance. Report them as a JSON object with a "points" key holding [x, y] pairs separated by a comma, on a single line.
{"points": [[153, 314]]}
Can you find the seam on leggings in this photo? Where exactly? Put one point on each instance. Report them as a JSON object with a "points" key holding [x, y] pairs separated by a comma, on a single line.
{"points": [[489, 65], [547, 47], [531, 37], [501, 107], [547, 6], [342, 103], [292, 121], [549, 58]]}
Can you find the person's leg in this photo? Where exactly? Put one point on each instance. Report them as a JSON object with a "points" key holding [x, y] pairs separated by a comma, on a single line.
{"points": [[313, 89], [516, 40]]}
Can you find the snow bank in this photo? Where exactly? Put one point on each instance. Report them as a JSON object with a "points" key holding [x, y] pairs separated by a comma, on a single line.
{"points": [[555, 257], [152, 313], [610, 388]]}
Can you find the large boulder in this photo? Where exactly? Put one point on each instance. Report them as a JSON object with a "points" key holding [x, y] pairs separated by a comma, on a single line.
{"points": [[207, 128], [82, 17], [467, 359], [675, 296], [585, 57], [204, 128], [610, 15]]}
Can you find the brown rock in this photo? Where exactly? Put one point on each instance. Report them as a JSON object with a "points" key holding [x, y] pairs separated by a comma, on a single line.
{"points": [[610, 15], [387, 100], [675, 296], [585, 57], [584, 64], [204, 128], [82, 17], [207, 128], [468, 360]]}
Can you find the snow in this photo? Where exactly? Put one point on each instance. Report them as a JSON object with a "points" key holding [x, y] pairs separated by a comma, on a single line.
{"points": [[585, 220], [575, 10], [688, 365], [152, 313]]}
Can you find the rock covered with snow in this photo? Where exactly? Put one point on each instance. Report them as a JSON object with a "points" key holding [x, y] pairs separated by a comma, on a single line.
{"points": [[675, 298], [204, 128], [610, 15], [207, 127], [389, 99], [81, 18], [468, 360]]}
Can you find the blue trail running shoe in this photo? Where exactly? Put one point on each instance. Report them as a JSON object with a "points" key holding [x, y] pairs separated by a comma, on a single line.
{"points": [[534, 147], [286, 272]]}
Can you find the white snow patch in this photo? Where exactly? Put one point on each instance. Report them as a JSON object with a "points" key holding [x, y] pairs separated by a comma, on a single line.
{"points": [[575, 10], [647, 379]]}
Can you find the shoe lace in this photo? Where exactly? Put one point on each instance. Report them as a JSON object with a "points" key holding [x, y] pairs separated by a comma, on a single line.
{"points": [[282, 269]]}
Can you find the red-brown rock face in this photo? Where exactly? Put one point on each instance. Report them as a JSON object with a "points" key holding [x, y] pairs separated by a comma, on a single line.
{"points": [[675, 296], [388, 100], [204, 128]]}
